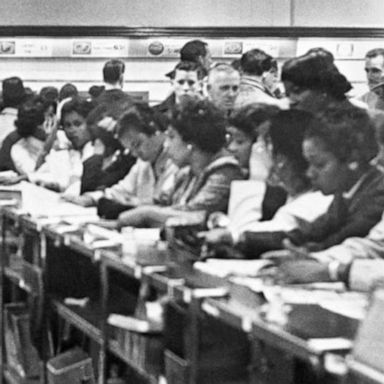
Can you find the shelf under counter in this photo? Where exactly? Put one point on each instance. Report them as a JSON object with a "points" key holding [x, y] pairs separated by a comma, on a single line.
{"points": [[12, 377], [283, 337], [87, 319], [114, 348]]}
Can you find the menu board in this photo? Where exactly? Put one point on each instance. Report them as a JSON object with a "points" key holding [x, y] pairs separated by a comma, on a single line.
{"points": [[99, 48], [26, 47]]}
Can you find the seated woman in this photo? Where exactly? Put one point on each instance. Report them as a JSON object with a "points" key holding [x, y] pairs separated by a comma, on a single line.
{"points": [[110, 163], [196, 138], [22, 148], [62, 168], [339, 148], [247, 135], [141, 131], [286, 132]]}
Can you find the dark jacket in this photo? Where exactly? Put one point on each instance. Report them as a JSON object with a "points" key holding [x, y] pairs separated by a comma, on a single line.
{"points": [[347, 217], [166, 106], [95, 177]]}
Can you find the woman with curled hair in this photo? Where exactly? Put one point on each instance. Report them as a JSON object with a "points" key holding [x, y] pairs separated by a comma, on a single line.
{"points": [[196, 141], [312, 82]]}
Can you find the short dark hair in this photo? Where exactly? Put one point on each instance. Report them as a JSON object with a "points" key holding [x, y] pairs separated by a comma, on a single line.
{"points": [[96, 90], [49, 93], [113, 70], [374, 52], [13, 92], [322, 52], [30, 115], [142, 118], [250, 117], [255, 62], [192, 50], [316, 72], [345, 132], [77, 104], [200, 123], [189, 66], [68, 90]]}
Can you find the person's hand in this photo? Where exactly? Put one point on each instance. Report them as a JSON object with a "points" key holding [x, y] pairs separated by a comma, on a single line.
{"points": [[298, 252], [84, 200], [51, 185], [10, 178], [216, 236], [136, 217], [51, 127], [108, 123], [279, 256], [302, 272]]}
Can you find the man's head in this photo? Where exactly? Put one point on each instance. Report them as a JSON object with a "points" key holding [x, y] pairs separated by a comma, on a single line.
{"points": [[113, 72], [223, 86], [187, 80], [13, 92], [255, 62], [197, 51], [374, 67]]}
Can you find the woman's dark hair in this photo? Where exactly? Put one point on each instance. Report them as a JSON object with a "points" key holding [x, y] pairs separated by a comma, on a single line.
{"points": [[250, 117], [346, 132], [142, 118], [200, 123], [314, 71], [77, 104], [287, 131], [30, 115]]}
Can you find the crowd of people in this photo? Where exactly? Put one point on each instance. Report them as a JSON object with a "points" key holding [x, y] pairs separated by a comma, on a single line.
{"points": [[313, 157]]}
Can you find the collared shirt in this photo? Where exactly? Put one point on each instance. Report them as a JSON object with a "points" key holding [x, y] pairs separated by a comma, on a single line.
{"points": [[253, 91], [145, 183]]}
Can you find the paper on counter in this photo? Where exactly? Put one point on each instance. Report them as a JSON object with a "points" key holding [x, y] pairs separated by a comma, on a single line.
{"points": [[330, 344], [224, 267]]}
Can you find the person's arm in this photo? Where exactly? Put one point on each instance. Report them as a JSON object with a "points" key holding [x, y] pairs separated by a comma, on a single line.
{"points": [[152, 216], [125, 191], [214, 194]]}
